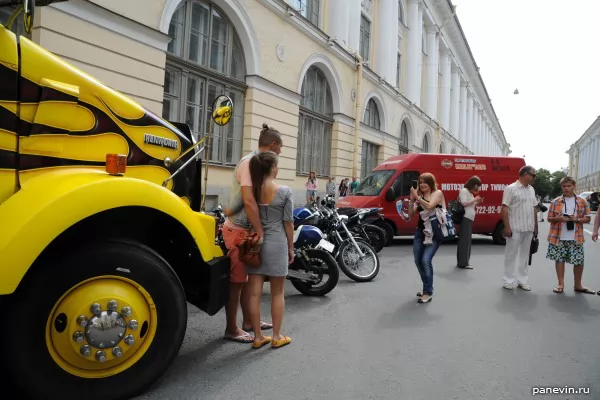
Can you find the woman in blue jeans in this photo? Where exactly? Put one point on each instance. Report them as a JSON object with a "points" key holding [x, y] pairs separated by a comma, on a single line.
{"points": [[426, 198]]}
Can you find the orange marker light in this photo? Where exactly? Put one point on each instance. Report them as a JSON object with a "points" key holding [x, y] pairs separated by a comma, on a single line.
{"points": [[116, 163]]}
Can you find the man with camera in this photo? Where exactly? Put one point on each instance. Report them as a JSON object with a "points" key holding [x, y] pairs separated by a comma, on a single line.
{"points": [[566, 215]]}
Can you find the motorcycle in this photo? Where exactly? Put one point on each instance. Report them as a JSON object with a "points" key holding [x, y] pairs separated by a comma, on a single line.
{"points": [[355, 256], [314, 271]]}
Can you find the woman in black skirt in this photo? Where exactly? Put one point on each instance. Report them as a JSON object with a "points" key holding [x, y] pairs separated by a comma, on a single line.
{"points": [[467, 198]]}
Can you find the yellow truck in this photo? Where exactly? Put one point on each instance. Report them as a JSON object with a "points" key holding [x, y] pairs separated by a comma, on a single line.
{"points": [[103, 238]]}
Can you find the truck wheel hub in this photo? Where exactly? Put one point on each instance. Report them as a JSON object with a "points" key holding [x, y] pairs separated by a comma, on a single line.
{"points": [[101, 327]]}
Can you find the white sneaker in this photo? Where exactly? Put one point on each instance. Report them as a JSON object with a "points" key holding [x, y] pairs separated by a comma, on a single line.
{"points": [[508, 286], [525, 287]]}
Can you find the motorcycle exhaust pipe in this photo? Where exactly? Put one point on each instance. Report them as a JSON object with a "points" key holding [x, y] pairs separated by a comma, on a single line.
{"points": [[303, 276]]}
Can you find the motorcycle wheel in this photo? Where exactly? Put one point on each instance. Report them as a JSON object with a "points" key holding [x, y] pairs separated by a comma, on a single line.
{"points": [[351, 264], [376, 237], [389, 231], [325, 264]]}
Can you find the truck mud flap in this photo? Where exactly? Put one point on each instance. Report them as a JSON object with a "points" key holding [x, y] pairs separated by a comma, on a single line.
{"points": [[218, 290]]}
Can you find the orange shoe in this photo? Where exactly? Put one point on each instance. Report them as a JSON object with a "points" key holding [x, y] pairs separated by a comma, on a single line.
{"points": [[282, 342], [258, 345]]}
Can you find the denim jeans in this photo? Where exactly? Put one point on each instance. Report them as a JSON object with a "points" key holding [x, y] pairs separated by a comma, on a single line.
{"points": [[424, 260]]}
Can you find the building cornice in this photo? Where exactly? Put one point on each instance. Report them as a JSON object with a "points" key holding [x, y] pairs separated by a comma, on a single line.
{"points": [[104, 18]]}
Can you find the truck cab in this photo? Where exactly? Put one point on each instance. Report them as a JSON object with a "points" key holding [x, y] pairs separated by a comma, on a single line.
{"points": [[104, 237]]}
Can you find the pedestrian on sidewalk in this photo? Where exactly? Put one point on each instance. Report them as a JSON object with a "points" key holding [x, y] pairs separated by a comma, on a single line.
{"points": [[567, 214], [468, 201], [330, 187], [519, 215], [425, 200]]}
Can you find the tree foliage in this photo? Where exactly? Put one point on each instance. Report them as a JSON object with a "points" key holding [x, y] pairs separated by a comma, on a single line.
{"points": [[547, 184]]}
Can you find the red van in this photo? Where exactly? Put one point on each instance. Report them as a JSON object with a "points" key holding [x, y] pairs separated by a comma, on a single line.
{"points": [[391, 181]]}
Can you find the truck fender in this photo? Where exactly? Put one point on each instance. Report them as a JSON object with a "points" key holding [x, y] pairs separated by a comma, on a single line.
{"points": [[48, 205]]}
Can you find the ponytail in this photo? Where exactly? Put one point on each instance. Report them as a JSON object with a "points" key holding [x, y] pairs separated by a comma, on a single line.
{"points": [[261, 166]]}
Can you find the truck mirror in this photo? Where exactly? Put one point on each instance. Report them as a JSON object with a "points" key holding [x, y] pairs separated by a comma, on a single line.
{"points": [[28, 14], [390, 195], [222, 110]]}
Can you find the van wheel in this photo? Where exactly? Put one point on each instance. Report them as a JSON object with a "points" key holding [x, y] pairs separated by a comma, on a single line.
{"points": [[498, 235], [105, 320]]}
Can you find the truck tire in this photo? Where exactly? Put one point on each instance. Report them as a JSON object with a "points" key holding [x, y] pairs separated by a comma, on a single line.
{"points": [[50, 352], [498, 236]]}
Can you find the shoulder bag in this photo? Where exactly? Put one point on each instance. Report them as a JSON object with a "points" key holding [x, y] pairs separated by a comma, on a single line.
{"points": [[249, 250]]}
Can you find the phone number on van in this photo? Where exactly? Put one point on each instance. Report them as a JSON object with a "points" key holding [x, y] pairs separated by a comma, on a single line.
{"points": [[488, 209]]}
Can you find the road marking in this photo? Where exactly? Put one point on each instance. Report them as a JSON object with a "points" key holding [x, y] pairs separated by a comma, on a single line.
{"points": [[591, 233]]}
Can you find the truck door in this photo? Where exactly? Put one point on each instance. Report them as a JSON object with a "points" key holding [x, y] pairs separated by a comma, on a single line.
{"points": [[401, 188], [9, 67]]}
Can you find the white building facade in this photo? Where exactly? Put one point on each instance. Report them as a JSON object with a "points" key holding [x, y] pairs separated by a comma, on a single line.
{"points": [[348, 83], [584, 159]]}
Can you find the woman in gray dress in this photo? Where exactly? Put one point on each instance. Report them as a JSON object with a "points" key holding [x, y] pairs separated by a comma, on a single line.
{"points": [[277, 251]]}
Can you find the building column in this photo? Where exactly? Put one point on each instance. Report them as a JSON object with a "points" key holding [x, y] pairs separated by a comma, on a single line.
{"points": [[579, 163], [387, 40], [469, 122], [446, 63], [597, 154], [462, 129], [354, 13], [586, 163], [414, 57], [455, 104], [476, 135], [338, 20], [432, 89]]}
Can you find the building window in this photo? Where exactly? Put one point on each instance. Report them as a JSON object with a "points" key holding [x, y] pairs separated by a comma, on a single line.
{"points": [[18, 26], [424, 42], [442, 150], [425, 144], [400, 14], [314, 126], [365, 38], [369, 158], [205, 60], [371, 117], [309, 9], [403, 145]]}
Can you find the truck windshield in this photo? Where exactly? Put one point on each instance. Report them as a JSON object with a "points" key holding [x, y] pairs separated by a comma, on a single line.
{"points": [[374, 182]]}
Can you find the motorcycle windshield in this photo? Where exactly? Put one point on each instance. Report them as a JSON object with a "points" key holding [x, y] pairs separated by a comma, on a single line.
{"points": [[374, 183]]}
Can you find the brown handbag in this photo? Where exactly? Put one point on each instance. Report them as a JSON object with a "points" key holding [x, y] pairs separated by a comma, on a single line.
{"points": [[249, 250]]}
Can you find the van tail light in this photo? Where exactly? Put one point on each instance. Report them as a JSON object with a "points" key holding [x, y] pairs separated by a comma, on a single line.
{"points": [[116, 164]]}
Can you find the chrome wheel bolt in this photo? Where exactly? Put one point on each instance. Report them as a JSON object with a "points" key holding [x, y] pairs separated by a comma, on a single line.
{"points": [[100, 356], [112, 305], [126, 311], [96, 309], [117, 352], [85, 350], [78, 337], [133, 325], [129, 340], [82, 321]]}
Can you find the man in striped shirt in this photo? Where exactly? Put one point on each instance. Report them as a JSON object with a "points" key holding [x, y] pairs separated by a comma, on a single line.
{"points": [[519, 215]]}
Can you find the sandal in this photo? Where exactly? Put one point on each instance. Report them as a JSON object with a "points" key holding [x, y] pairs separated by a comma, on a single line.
{"points": [[585, 290], [243, 338], [558, 289], [258, 345], [281, 342]]}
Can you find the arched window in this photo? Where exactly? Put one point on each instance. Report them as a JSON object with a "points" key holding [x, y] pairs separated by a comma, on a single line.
{"points": [[453, 151], [403, 145], [371, 117], [425, 144], [204, 60], [442, 150], [315, 123]]}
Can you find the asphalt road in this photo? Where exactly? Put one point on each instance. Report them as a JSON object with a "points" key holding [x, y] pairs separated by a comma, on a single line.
{"points": [[475, 340]]}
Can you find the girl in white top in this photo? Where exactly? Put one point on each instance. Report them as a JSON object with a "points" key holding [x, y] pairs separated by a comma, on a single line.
{"points": [[469, 201]]}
